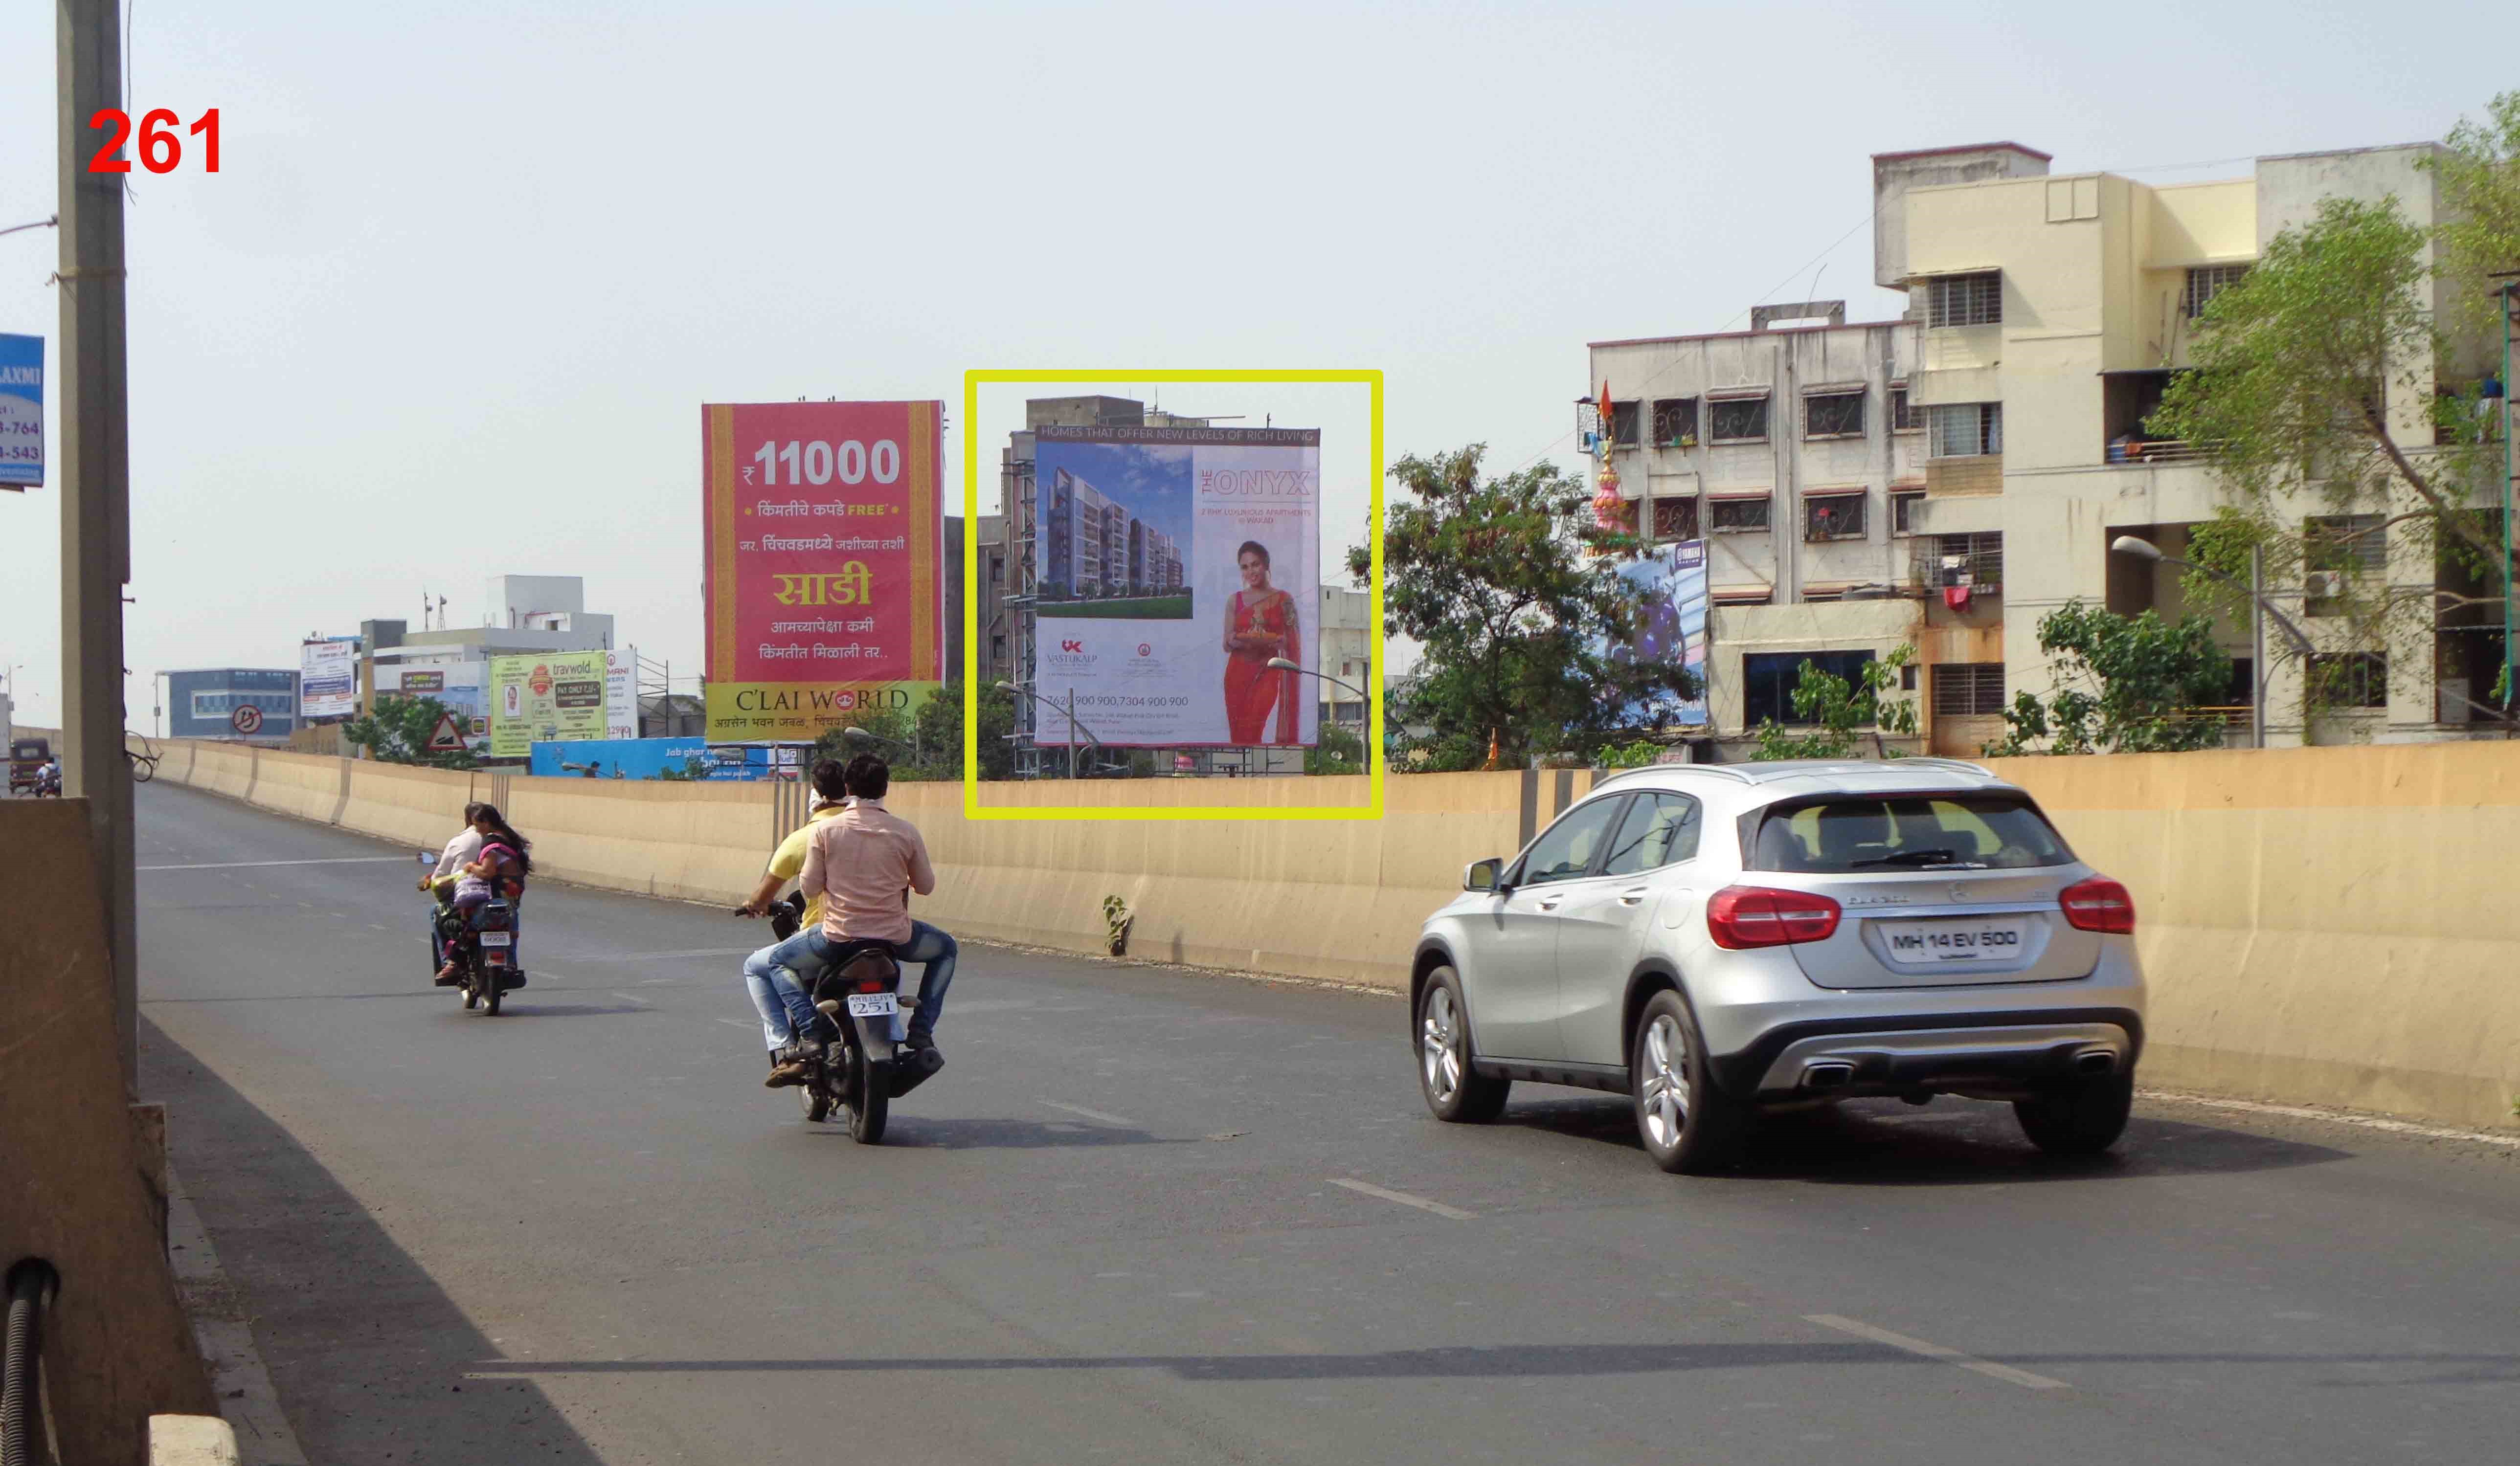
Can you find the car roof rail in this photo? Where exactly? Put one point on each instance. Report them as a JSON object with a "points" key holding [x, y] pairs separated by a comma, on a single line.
{"points": [[1713, 771], [1961, 765]]}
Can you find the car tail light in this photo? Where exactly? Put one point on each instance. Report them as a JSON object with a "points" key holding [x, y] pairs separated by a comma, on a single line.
{"points": [[2097, 904], [1743, 917]]}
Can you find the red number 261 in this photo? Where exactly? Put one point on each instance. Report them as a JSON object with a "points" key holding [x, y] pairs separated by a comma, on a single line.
{"points": [[160, 150]]}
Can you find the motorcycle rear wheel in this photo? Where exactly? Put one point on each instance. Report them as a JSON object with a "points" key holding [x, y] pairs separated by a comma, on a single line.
{"points": [[492, 989], [814, 1095], [868, 1106]]}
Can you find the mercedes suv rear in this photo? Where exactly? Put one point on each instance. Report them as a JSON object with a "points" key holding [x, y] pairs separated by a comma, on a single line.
{"points": [[1720, 940]]}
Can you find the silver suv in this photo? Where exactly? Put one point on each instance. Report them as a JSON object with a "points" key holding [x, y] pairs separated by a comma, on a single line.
{"points": [[1716, 940]]}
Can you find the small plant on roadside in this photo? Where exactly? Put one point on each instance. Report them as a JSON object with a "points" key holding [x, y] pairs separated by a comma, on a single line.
{"points": [[1116, 919]]}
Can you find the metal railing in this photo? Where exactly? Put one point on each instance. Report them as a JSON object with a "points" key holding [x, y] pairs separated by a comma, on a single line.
{"points": [[1983, 567], [2160, 451]]}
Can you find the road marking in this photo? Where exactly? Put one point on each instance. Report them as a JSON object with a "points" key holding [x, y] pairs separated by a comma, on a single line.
{"points": [[343, 859], [738, 1023], [658, 956], [1404, 1198], [631, 999], [2299, 1112], [2004, 1372], [1079, 1109]]}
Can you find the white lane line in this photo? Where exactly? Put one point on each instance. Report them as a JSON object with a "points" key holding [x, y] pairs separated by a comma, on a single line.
{"points": [[738, 1023], [1404, 1198], [2004, 1372], [343, 859], [633, 998], [2298, 1112], [1079, 1109], [658, 956]]}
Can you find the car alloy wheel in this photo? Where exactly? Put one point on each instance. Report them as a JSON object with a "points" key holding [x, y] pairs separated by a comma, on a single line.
{"points": [[1439, 1046], [1665, 1100]]}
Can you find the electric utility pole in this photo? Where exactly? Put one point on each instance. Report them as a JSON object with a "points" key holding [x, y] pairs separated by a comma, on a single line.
{"points": [[94, 482]]}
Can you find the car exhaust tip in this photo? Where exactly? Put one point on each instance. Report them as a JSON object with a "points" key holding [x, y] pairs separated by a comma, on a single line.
{"points": [[1829, 1076], [2094, 1063]]}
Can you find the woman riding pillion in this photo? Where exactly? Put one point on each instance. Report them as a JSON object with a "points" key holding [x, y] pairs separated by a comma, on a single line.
{"points": [[857, 864], [498, 869]]}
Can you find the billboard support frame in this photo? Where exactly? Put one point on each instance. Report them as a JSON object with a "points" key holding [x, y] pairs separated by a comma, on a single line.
{"points": [[972, 808]]}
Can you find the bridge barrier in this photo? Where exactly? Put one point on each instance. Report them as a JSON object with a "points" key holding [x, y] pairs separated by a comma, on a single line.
{"points": [[2321, 925]]}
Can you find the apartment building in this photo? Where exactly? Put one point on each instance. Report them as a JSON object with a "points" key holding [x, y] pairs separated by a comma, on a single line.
{"points": [[1347, 634], [1945, 481], [1794, 450], [2052, 312]]}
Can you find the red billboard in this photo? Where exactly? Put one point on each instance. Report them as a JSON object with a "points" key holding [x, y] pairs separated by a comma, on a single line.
{"points": [[825, 529]]}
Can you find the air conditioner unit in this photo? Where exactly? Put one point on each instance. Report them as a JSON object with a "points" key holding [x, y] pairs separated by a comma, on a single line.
{"points": [[2323, 585]]}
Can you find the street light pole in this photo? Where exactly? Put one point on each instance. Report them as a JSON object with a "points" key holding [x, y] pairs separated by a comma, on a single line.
{"points": [[1075, 729], [96, 501], [2256, 646]]}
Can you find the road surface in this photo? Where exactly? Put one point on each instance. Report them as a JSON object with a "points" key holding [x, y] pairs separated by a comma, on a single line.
{"points": [[1152, 1215]]}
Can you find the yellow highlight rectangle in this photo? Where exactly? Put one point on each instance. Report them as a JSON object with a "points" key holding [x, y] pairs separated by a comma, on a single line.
{"points": [[972, 809]]}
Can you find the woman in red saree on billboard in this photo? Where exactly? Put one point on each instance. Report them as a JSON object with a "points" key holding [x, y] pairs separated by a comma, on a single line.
{"points": [[1260, 623]]}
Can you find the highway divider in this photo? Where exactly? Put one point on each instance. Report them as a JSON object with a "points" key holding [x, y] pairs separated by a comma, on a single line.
{"points": [[2323, 925]]}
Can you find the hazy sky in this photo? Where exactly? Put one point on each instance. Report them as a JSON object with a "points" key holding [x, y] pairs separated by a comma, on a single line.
{"points": [[469, 270]]}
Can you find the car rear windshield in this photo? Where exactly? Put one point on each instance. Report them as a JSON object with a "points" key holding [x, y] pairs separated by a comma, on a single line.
{"points": [[1906, 832]]}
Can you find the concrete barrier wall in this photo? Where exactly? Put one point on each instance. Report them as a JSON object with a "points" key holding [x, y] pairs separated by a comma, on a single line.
{"points": [[2323, 925]]}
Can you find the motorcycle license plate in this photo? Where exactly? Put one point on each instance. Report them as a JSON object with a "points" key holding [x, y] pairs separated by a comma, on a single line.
{"points": [[498, 939], [873, 1005]]}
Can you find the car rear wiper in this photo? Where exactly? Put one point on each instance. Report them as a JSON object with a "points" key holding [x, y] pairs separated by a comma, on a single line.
{"points": [[1935, 856]]}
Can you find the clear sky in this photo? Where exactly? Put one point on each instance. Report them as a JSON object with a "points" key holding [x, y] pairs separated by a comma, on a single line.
{"points": [[468, 269]]}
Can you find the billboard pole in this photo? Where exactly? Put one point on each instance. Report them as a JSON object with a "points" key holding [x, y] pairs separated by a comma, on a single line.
{"points": [[96, 504]]}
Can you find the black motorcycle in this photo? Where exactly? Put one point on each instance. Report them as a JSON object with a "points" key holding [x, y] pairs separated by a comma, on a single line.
{"points": [[860, 993], [485, 967]]}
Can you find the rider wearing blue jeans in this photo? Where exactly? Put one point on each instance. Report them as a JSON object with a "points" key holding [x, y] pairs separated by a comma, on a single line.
{"points": [[774, 975]]}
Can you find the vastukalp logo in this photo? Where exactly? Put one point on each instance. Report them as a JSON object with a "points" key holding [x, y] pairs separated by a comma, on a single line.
{"points": [[1071, 645]]}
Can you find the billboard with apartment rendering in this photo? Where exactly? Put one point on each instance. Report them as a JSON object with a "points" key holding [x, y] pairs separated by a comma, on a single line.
{"points": [[1175, 564], [823, 524]]}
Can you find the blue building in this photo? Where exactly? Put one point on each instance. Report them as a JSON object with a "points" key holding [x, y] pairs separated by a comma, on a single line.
{"points": [[232, 702]]}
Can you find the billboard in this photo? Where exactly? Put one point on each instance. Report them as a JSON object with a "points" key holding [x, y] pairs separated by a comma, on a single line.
{"points": [[328, 678], [224, 702], [462, 688], [21, 411], [553, 697], [1175, 562], [621, 694], [824, 529], [1673, 624]]}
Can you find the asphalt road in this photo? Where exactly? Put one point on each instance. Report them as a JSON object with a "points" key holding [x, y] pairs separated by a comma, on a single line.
{"points": [[1152, 1215]]}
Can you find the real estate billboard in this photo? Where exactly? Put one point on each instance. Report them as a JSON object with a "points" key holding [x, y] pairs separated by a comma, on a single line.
{"points": [[825, 528], [1175, 564], [328, 678], [461, 687], [1672, 626], [546, 697]]}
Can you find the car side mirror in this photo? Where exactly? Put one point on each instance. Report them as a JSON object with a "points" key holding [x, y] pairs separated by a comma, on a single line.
{"points": [[1483, 876]]}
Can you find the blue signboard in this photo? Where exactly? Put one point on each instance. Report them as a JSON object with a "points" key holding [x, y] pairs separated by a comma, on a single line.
{"points": [[21, 411], [615, 758], [232, 702]]}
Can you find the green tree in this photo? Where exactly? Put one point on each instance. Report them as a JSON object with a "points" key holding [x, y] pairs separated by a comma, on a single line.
{"points": [[1839, 712], [1340, 751], [2306, 372], [927, 745], [1513, 593], [2480, 194], [399, 730], [2124, 684]]}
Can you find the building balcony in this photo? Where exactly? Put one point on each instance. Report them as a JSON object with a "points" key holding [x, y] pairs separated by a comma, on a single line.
{"points": [[1981, 474]]}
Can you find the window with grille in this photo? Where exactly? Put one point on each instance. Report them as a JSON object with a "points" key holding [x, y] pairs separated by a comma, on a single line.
{"points": [[2345, 542], [1833, 517], [2350, 679], [1980, 555], [1966, 429], [1674, 423], [1737, 515], [1623, 423], [1737, 419], [1904, 417], [1968, 690], [1675, 519], [2204, 282], [1965, 299], [1901, 507], [1833, 415]]}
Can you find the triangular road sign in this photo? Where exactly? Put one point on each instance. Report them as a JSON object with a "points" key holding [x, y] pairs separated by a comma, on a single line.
{"points": [[449, 737]]}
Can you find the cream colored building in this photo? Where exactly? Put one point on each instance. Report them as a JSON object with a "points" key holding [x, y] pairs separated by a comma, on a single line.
{"points": [[1977, 488]]}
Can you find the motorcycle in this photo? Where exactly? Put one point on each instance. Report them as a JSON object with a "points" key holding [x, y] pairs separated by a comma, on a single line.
{"points": [[485, 967], [860, 993], [48, 784]]}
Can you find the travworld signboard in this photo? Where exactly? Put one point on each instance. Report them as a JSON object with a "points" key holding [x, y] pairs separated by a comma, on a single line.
{"points": [[21, 411], [825, 527]]}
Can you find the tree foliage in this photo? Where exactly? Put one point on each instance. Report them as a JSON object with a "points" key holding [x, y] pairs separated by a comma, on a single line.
{"points": [[927, 745], [399, 730], [2480, 194], [1515, 594], [2122, 685], [1340, 751], [1840, 712]]}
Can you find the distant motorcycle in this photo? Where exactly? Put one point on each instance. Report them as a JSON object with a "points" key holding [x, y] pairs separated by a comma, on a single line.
{"points": [[485, 967], [48, 784]]}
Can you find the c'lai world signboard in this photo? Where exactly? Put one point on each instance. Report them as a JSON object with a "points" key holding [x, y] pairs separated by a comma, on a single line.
{"points": [[823, 524]]}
